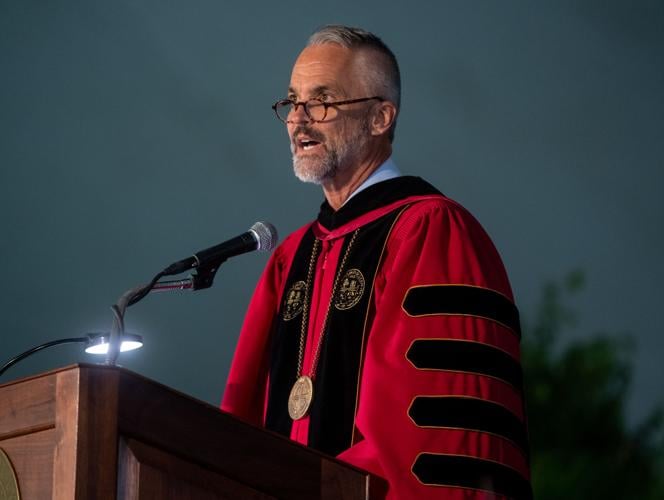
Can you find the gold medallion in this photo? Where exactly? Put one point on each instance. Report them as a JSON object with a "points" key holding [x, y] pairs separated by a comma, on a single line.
{"points": [[300, 397]]}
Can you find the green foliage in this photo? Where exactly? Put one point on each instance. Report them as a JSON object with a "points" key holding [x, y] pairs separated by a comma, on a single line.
{"points": [[581, 446]]}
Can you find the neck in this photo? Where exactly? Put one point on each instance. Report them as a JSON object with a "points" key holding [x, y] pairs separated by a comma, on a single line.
{"points": [[339, 188]]}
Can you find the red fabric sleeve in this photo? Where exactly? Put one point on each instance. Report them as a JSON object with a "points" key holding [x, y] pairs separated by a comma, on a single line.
{"points": [[433, 243]]}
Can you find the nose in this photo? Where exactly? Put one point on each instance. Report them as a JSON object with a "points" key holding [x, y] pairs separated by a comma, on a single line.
{"points": [[298, 114]]}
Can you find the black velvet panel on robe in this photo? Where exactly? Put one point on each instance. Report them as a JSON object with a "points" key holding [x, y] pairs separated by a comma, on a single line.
{"points": [[336, 380]]}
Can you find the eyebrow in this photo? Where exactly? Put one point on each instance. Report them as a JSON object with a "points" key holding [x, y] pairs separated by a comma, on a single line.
{"points": [[321, 89]]}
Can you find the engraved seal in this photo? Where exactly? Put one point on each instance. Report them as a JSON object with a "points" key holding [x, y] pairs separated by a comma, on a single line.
{"points": [[300, 397], [294, 300], [351, 290]]}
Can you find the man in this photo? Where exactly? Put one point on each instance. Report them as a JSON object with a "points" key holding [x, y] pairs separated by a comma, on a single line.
{"points": [[385, 331]]}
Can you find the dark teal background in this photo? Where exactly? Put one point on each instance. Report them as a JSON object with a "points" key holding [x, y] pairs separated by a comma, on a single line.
{"points": [[133, 133]]}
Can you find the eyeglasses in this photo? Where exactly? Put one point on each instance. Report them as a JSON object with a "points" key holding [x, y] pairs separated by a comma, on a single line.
{"points": [[315, 109]]}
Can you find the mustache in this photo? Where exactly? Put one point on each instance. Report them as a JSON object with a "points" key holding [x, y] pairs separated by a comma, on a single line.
{"points": [[312, 134]]}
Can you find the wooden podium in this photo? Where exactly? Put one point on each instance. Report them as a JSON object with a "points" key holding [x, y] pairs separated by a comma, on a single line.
{"points": [[89, 432]]}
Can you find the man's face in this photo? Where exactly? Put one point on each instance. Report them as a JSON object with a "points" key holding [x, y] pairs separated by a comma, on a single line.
{"points": [[320, 150]]}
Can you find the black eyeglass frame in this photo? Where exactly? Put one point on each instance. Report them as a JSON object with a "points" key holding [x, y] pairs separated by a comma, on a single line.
{"points": [[317, 101]]}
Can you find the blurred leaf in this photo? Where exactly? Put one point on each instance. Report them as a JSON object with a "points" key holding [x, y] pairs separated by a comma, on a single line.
{"points": [[575, 280], [576, 394]]}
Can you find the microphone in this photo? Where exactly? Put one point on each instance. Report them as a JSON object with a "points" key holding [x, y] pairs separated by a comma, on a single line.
{"points": [[261, 236]]}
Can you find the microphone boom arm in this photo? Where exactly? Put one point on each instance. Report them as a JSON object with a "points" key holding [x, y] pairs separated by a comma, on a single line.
{"points": [[261, 236]]}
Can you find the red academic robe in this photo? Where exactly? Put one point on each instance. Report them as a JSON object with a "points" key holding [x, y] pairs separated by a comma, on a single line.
{"points": [[438, 405]]}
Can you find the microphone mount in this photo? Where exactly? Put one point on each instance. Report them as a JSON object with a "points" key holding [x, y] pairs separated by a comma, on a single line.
{"points": [[261, 236], [205, 276]]}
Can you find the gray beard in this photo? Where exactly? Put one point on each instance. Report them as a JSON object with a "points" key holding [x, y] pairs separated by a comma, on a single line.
{"points": [[316, 170]]}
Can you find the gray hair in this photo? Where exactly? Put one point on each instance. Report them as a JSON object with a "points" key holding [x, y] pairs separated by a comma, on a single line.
{"points": [[381, 74]]}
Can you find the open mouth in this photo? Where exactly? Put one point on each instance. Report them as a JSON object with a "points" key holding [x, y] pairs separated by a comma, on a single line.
{"points": [[307, 144], [305, 141]]}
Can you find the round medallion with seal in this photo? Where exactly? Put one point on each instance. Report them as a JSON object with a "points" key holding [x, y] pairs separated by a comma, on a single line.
{"points": [[351, 290], [8, 484], [300, 397], [294, 300]]}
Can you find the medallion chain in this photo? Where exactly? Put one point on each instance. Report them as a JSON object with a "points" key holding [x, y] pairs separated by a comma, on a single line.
{"points": [[302, 393], [305, 309]]}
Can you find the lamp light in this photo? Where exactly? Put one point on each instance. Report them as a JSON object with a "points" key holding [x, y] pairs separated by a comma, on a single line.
{"points": [[96, 343]]}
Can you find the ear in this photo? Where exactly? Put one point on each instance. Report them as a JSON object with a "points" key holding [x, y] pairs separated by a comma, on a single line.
{"points": [[383, 116]]}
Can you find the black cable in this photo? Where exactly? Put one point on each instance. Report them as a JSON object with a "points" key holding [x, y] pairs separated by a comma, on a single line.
{"points": [[140, 295], [29, 352], [130, 297]]}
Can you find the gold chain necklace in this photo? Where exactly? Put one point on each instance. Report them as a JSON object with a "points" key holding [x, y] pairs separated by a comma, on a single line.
{"points": [[302, 393]]}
